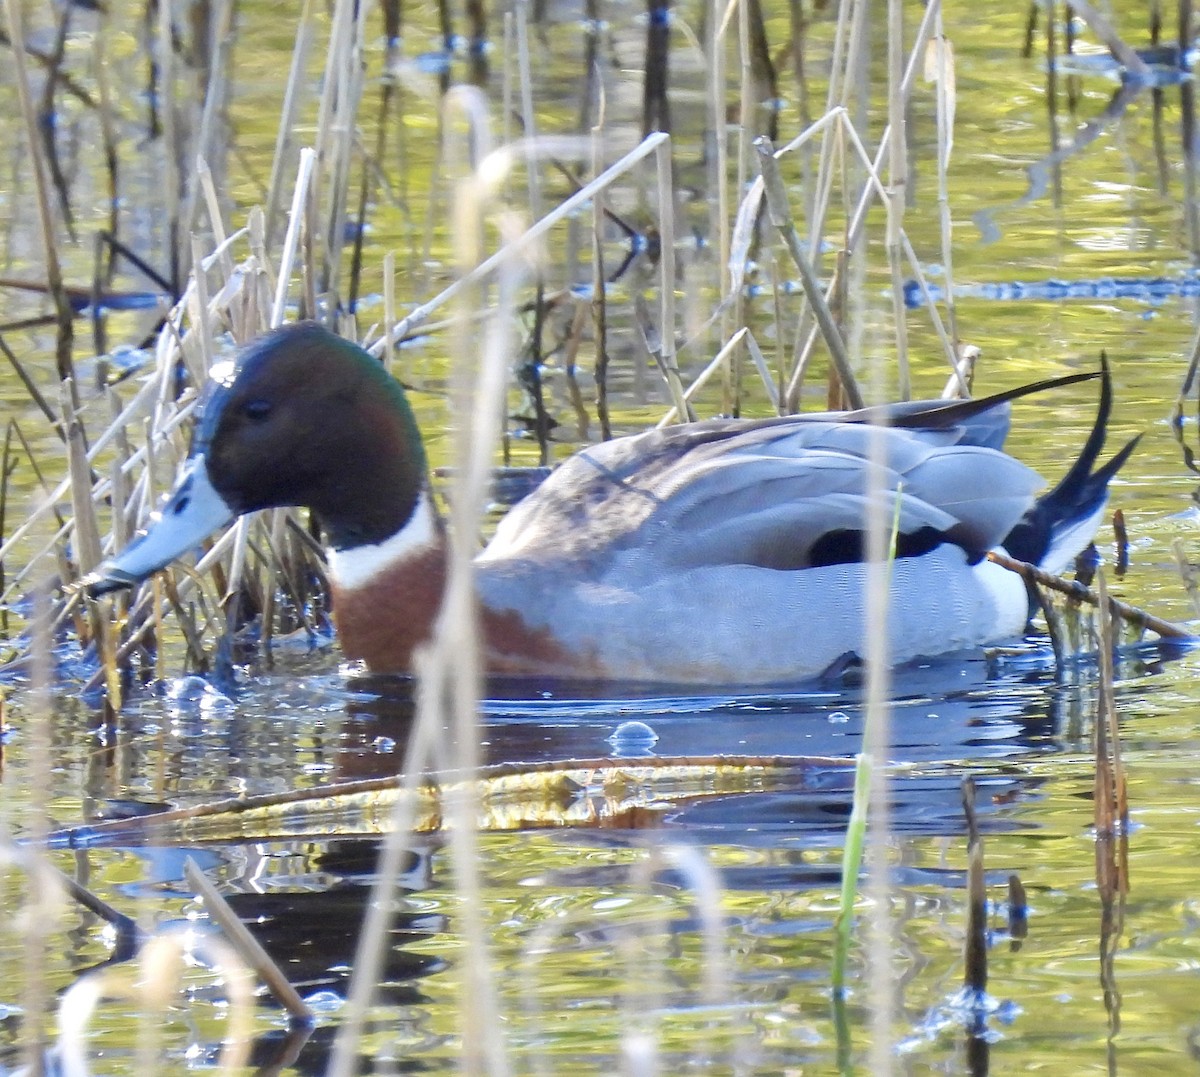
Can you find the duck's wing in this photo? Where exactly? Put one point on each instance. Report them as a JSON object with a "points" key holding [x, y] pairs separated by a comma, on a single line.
{"points": [[784, 493]]}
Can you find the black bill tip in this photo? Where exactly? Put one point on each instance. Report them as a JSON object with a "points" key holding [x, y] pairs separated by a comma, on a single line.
{"points": [[107, 579]]}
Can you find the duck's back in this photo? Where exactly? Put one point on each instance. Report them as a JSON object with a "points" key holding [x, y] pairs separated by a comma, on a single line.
{"points": [[733, 550], [765, 493]]}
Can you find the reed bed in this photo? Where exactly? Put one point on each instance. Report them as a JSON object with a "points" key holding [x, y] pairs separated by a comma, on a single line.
{"points": [[641, 295]]}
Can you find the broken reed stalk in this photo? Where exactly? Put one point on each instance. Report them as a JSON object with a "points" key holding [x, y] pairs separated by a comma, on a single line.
{"points": [[1111, 808], [1111, 796], [248, 948], [975, 956], [1131, 614]]}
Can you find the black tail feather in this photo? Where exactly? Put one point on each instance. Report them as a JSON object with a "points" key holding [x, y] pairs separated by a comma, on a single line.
{"points": [[1079, 493], [941, 414]]}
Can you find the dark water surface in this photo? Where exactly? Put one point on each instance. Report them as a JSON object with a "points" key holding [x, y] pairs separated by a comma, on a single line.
{"points": [[597, 934]]}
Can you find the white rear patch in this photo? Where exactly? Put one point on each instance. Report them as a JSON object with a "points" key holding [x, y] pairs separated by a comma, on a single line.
{"points": [[358, 566]]}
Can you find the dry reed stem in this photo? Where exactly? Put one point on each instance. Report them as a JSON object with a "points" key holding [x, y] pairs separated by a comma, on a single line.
{"points": [[450, 673], [1131, 614], [336, 122], [975, 949], [941, 70], [41, 191], [944, 338], [721, 362], [206, 147], [858, 217], [518, 247], [297, 83], [305, 179], [43, 901], [897, 182], [599, 306], [666, 229], [87, 530], [780, 215], [389, 314], [716, 95], [216, 222], [529, 126], [1108, 710], [247, 947]]}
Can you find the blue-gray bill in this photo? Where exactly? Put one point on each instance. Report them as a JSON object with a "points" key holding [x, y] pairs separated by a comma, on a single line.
{"points": [[191, 512]]}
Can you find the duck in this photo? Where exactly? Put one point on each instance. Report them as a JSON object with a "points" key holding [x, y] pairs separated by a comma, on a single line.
{"points": [[719, 552]]}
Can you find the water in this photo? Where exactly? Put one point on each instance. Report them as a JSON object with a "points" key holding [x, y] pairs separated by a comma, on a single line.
{"points": [[597, 934]]}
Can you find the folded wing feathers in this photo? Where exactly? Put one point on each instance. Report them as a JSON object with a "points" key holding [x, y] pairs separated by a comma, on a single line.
{"points": [[764, 494]]}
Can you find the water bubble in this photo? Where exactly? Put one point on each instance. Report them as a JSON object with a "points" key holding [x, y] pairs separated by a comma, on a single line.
{"points": [[633, 738]]}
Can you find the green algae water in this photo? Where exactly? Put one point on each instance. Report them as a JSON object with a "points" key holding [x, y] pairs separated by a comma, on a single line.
{"points": [[1071, 236]]}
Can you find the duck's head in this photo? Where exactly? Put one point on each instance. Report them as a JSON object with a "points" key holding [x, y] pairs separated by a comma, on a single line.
{"points": [[303, 418]]}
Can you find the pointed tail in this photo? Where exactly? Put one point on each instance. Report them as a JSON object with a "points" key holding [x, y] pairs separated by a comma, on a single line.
{"points": [[1063, 521]]}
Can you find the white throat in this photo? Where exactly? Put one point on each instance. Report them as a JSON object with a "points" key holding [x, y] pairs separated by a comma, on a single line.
{"points": [[357, 567]]}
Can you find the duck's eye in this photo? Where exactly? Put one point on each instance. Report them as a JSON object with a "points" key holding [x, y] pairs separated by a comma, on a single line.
{"points": [[256, 409]]}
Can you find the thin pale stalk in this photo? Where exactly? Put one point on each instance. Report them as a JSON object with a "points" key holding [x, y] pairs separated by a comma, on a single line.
{"points": [[528, 115], [296, 88], [947, 96], [720, 361], [304, 179], [666, 229], [858, 218], [897, 186], [518, 247], [208, 146], [716, 87], [41, 190], [216, 221], [389, 313], [877, 744], [170, 142], [948, 347], [780, 213]]}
